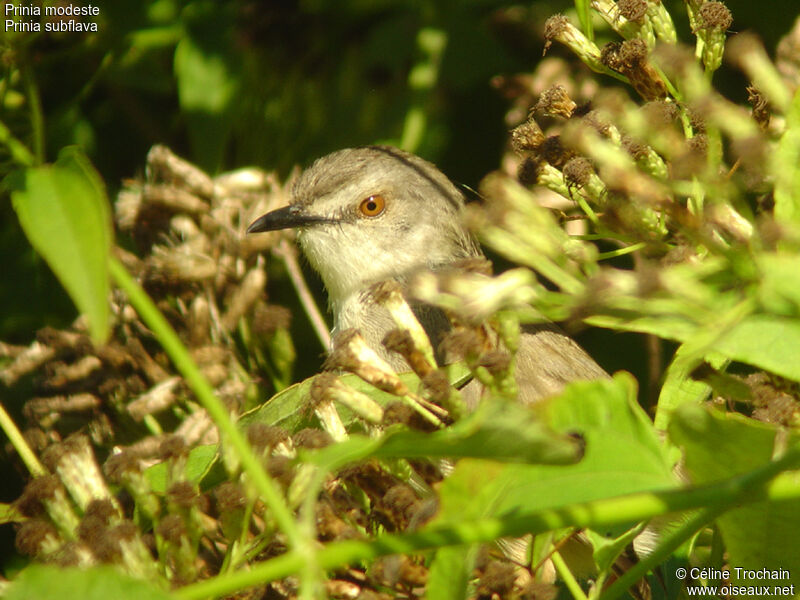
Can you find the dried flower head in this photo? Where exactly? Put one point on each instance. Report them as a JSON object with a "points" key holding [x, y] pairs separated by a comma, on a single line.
{"points": [[559, 28], [526, 137], [633, 10], [555, 102], [351, 353]]}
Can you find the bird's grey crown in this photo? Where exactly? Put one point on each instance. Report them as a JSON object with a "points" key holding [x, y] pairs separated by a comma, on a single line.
{"points": [[335, 171]]}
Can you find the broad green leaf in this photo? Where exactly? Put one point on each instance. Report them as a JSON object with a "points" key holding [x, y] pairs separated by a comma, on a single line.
{"points": [[44, 582], [200, 461], [499, 430], [288, 408], [450, 573], [622, 455], [779, 288], [679, 388], [720, 445], [784, 167], [769, 342], [64, 212]]}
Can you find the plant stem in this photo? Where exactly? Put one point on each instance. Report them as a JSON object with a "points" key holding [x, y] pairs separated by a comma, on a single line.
{"points": [[569, 579], [37, 120], [289, 257], [20, 445], [585, 18], [19, 151], [177, 352], [621, 251]]}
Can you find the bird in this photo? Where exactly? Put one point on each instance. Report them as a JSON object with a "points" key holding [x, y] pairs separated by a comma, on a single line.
{"points": [[376, 213]]}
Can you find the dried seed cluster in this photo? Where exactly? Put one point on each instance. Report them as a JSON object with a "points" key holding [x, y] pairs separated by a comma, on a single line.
{"points": [[209, 281]]}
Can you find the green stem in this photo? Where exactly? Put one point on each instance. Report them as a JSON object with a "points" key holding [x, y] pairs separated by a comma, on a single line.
{"points": [[19, 151], [177, 352], [37, 120], [569, 579], [585, 18], [668, 544], [621, 251], [20, 445], [598, 514]]}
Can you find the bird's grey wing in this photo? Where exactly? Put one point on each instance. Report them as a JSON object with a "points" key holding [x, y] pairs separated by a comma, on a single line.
{"points": [[547, 360]]}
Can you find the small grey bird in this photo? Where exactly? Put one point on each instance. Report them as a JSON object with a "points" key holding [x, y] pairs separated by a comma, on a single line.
{"points": [[375, 213]]}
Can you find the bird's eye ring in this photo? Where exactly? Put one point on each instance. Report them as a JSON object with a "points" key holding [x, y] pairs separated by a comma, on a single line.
{"points": [[372, 206]]}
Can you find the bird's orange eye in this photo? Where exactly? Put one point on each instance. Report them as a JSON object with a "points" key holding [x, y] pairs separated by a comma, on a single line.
{"points": [[372, 206]]}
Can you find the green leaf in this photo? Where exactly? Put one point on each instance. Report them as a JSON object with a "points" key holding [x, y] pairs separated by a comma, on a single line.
{"points": [[720, 445], [779, 288], [450, 573], [39, 582], [765, 341], [679, 388], [64, 212], [608, 546], [622, 455], [666, 326], [288, 408], [784, 167], [200, 461], [500, 430]]}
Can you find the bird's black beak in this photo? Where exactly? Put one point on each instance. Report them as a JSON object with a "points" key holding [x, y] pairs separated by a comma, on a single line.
{"points": [[287, 217]]}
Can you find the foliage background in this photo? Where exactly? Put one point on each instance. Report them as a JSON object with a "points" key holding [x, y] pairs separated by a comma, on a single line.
{"points": [[276, 84]]}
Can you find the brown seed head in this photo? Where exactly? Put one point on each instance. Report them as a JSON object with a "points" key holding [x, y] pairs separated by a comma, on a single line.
{"points": [[555, 26], [633, 53], [556, 102], [262, 436], [319, 388], [36, 491], [182, 494], [758, 101], [633, 10], [529, 170], [34, 536], [103, 509], [526, 137], [555, 152], [172, 447], [171, 528], [498, 579], [714, 15], [119, 464], [577, 171], [609, 56], [229, 496], [495, 361], [312, 439], [437, 385], [280, 468]]}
